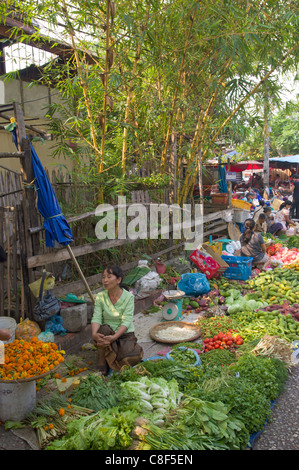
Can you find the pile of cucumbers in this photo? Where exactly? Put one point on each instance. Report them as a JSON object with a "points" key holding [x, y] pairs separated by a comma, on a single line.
{"points": [[276, 286]]}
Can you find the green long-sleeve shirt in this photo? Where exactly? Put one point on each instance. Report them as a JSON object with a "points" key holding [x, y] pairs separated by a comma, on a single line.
{"points": [[121, 313]]}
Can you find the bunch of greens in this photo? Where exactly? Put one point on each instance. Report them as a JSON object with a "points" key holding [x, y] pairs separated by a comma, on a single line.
{"points": [[151, 398], [217, 357], [198, 425], [96, 393], [260, 371], [185, 374], [241, 396], [281, 373], [105, 430], [185, 356]]}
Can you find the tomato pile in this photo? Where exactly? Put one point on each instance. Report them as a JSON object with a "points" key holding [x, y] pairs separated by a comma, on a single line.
{"points": [[223, 341]]}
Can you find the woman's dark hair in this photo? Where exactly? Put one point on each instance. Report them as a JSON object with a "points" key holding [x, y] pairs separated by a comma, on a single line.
{"points": [[115, 270], [285, 204], [262, 202], [249, 226], [267, 209], [262, 216]]}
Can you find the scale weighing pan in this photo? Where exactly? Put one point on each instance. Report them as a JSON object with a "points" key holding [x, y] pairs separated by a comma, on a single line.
{"points": [[173, 294]]}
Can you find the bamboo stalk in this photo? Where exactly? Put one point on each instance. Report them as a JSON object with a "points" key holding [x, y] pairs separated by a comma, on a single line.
{"points": [[192, 168], [99, 154], [175, 98], [127, 113]]}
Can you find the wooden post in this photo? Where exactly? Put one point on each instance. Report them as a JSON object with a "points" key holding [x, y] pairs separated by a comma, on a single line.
{"points": [[8, 262], [23, 256], [200, 185], [2, 213], [27, 174], [266, 154], [229, 187]]}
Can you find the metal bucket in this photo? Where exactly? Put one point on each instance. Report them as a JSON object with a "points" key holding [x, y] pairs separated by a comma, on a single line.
{"points": [[17, 399]]}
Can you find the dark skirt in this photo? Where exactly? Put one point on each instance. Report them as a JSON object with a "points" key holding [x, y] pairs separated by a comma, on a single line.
{"points": [[274, 228], [125, 351]]}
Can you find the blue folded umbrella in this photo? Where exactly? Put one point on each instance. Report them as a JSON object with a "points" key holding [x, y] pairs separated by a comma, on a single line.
{"points": [[55, 224], [222, 179]]}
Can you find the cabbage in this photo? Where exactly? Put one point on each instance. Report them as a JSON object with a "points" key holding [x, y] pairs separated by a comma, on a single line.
{"points": [[229, 300], [235, 308], [235, 293]]}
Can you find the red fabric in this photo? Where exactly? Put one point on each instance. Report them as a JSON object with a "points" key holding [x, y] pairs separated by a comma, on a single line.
{"points": [[237, 167]]}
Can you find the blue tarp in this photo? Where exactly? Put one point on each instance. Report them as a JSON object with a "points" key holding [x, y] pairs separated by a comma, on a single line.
{"points": [[55, 224], [290, 159]]}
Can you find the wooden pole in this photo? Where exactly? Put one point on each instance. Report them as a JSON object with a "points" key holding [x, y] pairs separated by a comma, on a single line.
{"points": [[229, 187], [8, 261], [81, 273]]}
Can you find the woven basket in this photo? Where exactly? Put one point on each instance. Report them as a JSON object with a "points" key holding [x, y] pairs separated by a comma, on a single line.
{"points": [[180, 324]]}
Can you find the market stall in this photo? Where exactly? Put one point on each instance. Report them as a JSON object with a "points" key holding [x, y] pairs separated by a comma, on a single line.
{"points": [[238, 332]]}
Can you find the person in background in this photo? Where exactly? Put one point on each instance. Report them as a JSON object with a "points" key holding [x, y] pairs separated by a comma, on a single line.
{"points": [[272, 227], [295, 190], [261, 224], [258, 210], [283, 216], [112, 324], [253, 245], [277, 181]]}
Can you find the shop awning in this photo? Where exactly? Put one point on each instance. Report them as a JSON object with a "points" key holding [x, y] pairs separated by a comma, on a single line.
{"points": [[285, 161], [246, 166]]}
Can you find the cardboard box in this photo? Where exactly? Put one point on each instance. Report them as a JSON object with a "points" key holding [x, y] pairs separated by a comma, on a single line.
{"points": [[208, 261]]}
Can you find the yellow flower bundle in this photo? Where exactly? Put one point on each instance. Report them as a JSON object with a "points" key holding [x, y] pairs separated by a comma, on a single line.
{"points": [[28, 359]]}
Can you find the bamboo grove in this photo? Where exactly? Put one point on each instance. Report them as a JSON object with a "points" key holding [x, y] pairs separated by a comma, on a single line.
{"points": [[158, 81]]}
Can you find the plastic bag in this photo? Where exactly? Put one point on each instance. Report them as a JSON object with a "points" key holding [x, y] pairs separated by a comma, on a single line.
{"points": [[49, 284], [147, 284], [54, 324], [194, 284], [26, 329], [46, 336]]}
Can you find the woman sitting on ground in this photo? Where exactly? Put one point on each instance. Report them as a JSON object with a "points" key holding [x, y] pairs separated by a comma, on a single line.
{"points": [[283, 216], [253, 245], [112, 324], [272, 227]]}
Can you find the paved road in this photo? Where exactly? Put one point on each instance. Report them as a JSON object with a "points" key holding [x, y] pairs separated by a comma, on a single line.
{"points": [[282, 432]]}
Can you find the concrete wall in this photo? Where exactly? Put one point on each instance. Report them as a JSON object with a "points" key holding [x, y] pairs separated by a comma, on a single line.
{"points": [[34, 100]]}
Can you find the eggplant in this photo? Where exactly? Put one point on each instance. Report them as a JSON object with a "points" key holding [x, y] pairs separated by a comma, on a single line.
{"points": [[214, 292]]}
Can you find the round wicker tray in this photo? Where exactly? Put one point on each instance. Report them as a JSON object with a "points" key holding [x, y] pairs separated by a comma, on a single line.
{"points": [[180, 324]]}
